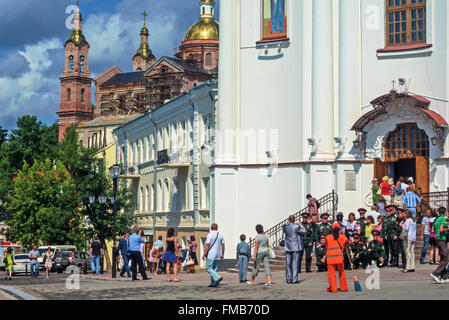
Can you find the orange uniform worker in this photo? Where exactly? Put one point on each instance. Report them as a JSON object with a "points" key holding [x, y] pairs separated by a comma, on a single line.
{"points": [[335, 246]]}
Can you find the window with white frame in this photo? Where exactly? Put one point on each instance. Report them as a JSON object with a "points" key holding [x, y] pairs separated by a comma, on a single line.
{"points": [[146, 198], [205, 193], [141, 200]]}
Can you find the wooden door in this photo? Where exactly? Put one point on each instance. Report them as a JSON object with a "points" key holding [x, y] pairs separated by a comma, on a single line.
{"points": [[380, 169], [422, 173]]}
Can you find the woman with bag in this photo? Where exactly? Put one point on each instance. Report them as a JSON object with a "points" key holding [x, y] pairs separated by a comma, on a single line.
{"points": [[261, 255], [48, 264], [408, 235], [9, 262]]}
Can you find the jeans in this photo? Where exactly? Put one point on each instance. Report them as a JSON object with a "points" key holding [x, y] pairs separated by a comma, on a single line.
{"points": [[34, 268], [125, 266], [95, 266], [211, 268], [424, 248], [243, 267]]}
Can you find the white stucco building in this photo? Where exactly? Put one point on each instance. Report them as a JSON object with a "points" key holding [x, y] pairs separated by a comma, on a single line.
{"points": [[299, 95]]}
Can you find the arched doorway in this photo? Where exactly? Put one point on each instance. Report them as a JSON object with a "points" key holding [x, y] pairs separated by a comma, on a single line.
{"points": [[406, 153]]}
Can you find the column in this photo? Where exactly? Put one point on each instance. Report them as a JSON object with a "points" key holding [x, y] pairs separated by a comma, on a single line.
{"points": [[228, 111], [349, 76], [322, 81]]}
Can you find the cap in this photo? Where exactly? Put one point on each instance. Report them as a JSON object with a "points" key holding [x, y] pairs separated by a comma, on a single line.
{"points": [[340, 216], [323, 215], [375, 232], [391, 206], [356, 235], [362, 210], [305, 214], [322, 237], [401, 210]]}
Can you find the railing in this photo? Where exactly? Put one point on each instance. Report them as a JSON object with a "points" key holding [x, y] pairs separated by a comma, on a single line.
{"points": [[328, 203], [434, 200]]}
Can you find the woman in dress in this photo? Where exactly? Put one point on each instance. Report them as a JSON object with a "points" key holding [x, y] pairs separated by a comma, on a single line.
{"points": [[48, 263], [9, 262], [192, 249], [380, 220], [312, 206], [261, 256], [374, 189], [171, 254]]}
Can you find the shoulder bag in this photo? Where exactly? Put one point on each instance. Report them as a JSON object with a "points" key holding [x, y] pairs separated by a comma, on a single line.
{"points": [[404, 235], [210, 247]]}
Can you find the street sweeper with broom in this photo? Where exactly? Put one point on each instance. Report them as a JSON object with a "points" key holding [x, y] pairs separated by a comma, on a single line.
{"points": [[335, 248]]}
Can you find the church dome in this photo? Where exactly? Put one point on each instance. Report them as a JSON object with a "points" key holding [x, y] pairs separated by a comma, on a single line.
{"points": [[204, 29]]}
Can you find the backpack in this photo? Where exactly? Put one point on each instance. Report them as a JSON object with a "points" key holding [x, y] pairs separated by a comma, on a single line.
{"points": [[244, 252], [318, 205]]}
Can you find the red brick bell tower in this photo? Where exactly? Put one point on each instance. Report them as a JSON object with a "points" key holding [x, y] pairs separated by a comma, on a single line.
{"points": [[76, 83]]}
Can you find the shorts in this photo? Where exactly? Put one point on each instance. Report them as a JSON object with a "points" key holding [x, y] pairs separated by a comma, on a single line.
{"points": [[433, 242]]}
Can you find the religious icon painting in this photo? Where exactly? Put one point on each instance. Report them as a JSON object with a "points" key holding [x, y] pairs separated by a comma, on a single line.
{"points": [[274, 20]]}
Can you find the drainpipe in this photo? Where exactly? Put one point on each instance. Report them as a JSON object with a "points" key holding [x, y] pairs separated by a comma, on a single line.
{"points": [[214, 98], [195, 160], [154, 175]]}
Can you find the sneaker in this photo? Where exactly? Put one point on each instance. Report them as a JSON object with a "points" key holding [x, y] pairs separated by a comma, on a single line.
{"points": [[437, 279]]}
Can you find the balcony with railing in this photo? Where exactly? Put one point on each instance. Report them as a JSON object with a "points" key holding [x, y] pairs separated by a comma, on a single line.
{"points": [[176, 157]]}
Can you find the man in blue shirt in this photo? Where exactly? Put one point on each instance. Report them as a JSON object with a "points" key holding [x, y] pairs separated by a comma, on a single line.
{"points": [[410, 201], [123, 248], [159, 243], [136, 257]]}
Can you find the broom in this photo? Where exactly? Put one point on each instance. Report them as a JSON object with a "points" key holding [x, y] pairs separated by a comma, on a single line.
{"points": [[357, 286]]}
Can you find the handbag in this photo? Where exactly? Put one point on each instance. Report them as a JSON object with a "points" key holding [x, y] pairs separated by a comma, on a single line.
{"points": [[404, 235], [271, 253]]}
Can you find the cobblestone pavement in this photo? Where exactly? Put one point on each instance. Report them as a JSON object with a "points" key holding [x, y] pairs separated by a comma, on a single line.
{"points": [[393, 285]]}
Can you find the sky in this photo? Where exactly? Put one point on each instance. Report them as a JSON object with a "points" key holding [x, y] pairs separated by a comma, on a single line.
{"points": [[33, 33]]}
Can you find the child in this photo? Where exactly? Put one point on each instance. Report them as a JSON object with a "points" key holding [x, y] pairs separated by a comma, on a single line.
{"points": [[320, 253], [243, 256]]}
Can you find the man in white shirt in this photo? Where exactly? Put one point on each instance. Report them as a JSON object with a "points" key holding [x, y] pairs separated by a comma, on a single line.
{"points": [[214, 253], [374, 213]]}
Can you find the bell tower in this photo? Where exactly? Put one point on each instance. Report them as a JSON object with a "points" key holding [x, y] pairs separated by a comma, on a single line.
{"points": [[144, 58], [76, 83]]}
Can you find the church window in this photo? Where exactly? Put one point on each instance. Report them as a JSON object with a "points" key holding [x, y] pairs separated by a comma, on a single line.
{"points": [[82, 58], [139, 69], [82, 95], [70, 63], [208, 59], [405, 22], [406, 142], [204, 10], [68, 94]]}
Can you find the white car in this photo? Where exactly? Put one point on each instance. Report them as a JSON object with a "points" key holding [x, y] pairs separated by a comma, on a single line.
{"points": [[22, 264]]}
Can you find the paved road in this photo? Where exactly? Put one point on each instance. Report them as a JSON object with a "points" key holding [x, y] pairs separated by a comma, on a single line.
{"points": [[393, 285]]}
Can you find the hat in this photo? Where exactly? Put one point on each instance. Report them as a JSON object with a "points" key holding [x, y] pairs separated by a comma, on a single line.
{"points": [[361, 210], [324, 215], [305, 214], [356, 235], [375, 232], [340, 216], [400, 210], [410, 179], [322, 237]]}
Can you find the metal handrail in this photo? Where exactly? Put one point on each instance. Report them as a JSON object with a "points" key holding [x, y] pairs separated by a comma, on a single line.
{"points": [[328, 203]]}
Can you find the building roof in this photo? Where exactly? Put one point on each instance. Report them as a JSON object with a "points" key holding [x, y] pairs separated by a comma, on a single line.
{"points": [[124, 78], [108, 121], [180, 64]]}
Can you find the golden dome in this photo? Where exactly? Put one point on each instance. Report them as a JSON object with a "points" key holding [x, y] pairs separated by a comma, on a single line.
{"points": [[144, 31], [204, 29]]}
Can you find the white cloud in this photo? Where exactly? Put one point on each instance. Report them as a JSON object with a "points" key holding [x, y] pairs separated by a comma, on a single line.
{"points": [[32, 92]]}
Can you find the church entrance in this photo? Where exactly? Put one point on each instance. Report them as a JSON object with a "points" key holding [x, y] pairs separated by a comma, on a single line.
{"points": [[406, 155]]}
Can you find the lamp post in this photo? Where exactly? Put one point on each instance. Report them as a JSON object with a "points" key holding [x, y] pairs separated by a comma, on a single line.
{"points": [[114, 171], [102, 198]]}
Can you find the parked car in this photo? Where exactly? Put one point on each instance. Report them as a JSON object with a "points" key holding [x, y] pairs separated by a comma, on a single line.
{"points": [[64, 259], [22, 264], [54, 249]]}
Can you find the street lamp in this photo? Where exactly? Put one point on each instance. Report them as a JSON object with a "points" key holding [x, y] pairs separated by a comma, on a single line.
{"points": [[102, 198], [114, 171]]}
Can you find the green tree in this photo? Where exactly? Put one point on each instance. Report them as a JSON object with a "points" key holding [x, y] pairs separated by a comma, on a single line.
{"points": [[89, 175], [41, 206], [3, 135]]}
